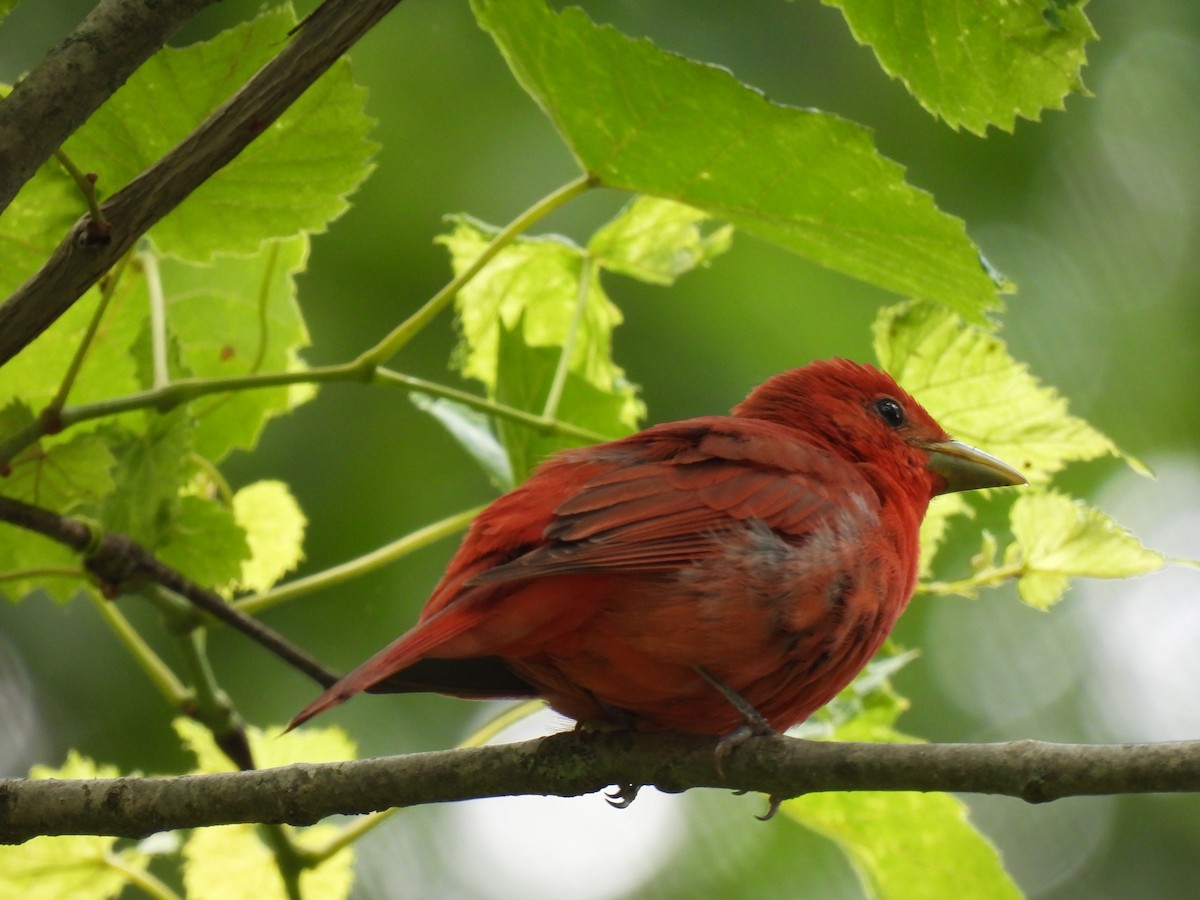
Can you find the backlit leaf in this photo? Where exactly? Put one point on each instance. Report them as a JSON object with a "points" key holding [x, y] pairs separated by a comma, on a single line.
{"points": [[1058, 538], [967, 380], [640, 119], [977, 64]]}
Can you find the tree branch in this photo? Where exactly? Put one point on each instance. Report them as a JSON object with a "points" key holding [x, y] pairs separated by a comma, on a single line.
{"points": [[116, 560], [76, 77], [77, 263], [578, 763]]}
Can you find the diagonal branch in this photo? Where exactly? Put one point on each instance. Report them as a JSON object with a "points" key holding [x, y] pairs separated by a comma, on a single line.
{"points": [[578, 763], [76, 77], [78, 263], [116, 560]]}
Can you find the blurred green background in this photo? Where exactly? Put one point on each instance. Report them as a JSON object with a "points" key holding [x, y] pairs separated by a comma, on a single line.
{"points": [[1092, 212]]}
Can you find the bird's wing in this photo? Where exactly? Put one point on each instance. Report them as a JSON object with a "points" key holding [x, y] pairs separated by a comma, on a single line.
{"points": [[669, 500]]}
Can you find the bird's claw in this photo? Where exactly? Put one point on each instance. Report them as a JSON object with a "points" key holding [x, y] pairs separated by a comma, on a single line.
{"points": [[622, 795], [773, 804]]}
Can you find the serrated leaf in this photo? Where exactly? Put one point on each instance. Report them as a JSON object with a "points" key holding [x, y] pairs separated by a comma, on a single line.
{"points": [[640, 119], [657, 240], [1057, 538], [900, 844], [274, 526], [235, 317], [150, 471], [62, 477], [88, 867], [35, 374], [526, 375], [967, 380], [231, 862], [42, 212], [473, 431], [905, 844], [202, 540], [977, 64], [531, 292], [294, 177]]}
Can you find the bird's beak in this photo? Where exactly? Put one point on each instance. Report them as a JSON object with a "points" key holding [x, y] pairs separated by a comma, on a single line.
{"points": [[963, 468]]}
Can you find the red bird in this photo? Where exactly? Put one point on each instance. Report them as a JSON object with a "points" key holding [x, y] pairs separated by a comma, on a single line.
{"points": [[699, 576]]}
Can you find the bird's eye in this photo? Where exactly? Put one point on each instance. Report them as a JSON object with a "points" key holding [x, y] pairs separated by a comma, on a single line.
{"points": [[891, 411]]}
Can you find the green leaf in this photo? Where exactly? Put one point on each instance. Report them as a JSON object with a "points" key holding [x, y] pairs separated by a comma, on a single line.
{"points": [[641, 119], [473, 431], [517, 315], [901, 844], [274, 526], [977, 64], [87, 867], [295, 175], [237, 317], [907, 845], [231, 862], [6, 6], [526, 375], [1057, 538], [151, 468], [657, 240], [42, 212], [204, 542], [967, 380], [108, 370], [62, 476]]}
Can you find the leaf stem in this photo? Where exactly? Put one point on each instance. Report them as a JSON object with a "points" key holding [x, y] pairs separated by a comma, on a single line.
{"points": [[158, 317], [140, 878], [554, 397], [156, 670], [967, 587], [72, 572], [540, 423], [108, 287], [86, 182], [361, 565], [410, 327]]}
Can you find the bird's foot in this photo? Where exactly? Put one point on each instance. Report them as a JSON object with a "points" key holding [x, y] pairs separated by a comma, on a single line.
{"points": [[622, 795], [753, 725]]}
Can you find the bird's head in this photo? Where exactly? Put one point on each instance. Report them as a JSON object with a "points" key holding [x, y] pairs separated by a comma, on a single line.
{"points": [[863, 415]]}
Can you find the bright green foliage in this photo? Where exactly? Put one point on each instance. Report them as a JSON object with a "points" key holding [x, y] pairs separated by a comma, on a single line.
{"points": [[967, 380], [901, 844], [1058, 538], [231, 862], [644, 120], [87, 867], [977, 64], [61, 476], [293, 177], [203, 541], [656, 241], [6, 7], [536, 300], [274, 526], [907, 845], [237, 316]]}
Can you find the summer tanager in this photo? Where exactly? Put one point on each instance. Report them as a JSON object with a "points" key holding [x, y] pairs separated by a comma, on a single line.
{"points": [[703, 576]]}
